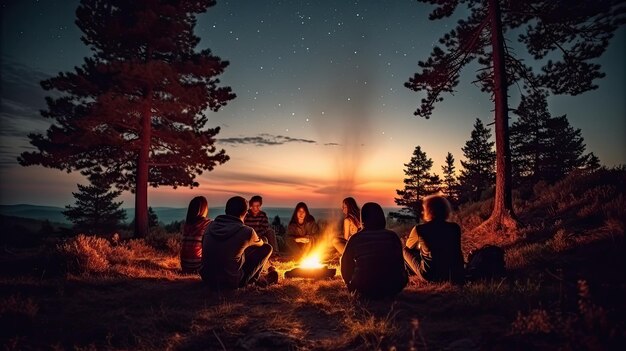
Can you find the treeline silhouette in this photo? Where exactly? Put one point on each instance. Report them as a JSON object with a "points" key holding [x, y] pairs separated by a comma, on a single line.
{"points": [[543, 149]]}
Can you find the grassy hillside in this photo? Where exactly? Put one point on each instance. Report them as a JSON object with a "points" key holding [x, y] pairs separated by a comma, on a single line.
{"points": [[564, 290]]}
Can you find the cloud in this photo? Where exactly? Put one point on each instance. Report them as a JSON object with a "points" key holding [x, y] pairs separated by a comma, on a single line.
{"points": [[20, 89], [21, 98], [264, 140], [233, 177], [332, 144]]}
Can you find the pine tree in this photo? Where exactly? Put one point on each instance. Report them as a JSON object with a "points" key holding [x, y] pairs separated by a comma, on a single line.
{"points": [[593, 162], [153, 219], [135, 111], [95, 212], [566, 148], [528, 138], [477, 174], [544, 147], [451, 186], [419, 182], [572, 34]]}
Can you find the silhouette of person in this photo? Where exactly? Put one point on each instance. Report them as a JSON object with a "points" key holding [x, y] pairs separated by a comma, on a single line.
{"points": [[258, 220], [302, 230], [233, 254], [351, 223], [433, 249], [193, 232], [372, 263]]}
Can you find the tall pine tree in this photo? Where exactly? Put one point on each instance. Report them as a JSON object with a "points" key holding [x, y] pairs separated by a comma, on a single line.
{"points": [[419, 182], [135, 111], [565, 36], [478, 173], [544, 147], [528, 138], [95, 212], [450, 183], [566, 149]]}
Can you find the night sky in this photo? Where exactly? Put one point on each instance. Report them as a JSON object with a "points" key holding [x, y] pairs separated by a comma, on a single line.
{"points": [[321, 112]]}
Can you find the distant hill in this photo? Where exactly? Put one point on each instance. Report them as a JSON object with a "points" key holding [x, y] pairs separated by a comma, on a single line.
{"points": [[50, 213]]}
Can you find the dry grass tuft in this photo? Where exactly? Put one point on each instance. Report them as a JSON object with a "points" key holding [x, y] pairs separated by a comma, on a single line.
{"points": [[87, 255], [587, 328]]}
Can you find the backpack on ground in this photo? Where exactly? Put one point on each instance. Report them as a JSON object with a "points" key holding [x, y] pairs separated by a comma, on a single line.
{"points": [[486, 262]]}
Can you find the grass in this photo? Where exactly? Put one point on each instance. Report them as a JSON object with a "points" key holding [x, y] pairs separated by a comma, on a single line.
{"points": [[564, 290]]}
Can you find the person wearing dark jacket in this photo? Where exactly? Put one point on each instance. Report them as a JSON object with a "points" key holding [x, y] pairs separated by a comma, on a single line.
{"points": [[433, 249], [372, 264], [233, 255], [302, 231]]}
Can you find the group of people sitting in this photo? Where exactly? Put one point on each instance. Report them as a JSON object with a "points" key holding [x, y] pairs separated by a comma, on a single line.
{"points": [[231, 251]]}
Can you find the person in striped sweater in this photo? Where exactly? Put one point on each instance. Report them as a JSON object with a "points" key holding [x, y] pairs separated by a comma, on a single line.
{"points": [[258, 220], [196, 223]]}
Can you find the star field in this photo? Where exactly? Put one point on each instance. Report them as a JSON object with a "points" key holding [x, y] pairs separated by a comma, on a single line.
{"points": [[330, 72]]}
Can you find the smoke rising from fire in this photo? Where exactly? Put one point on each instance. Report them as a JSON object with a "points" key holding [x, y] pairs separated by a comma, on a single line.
{"points": [[348, 105]]}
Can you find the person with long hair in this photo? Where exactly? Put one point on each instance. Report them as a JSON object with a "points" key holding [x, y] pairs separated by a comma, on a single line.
{"points": [[433, 249], [196, 223], [351, 223], [372, 264], [302, 230]]}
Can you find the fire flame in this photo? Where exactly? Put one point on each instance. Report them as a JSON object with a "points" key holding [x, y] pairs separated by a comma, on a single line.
{"points": [[312, 261], [314, 258]]}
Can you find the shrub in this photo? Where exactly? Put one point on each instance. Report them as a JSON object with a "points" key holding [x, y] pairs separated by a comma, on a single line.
{"points": [[140, 248], [17, 314], [161, 240], [536, 321], [86, 254], [174, 244], [562, 241], [587, 328]]}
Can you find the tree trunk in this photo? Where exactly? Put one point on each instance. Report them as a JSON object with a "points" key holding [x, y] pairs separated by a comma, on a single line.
{"points": [[141, 195], [502, 216]]}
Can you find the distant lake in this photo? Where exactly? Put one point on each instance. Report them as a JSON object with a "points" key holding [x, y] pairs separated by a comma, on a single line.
{"points": [[166, 215]]}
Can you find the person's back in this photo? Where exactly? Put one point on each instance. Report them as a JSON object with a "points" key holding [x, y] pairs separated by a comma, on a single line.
{"points": [[233, 254], [196, 223], [440, 248], [372, 263], [191, 246], [433, 249], [378, 263]]}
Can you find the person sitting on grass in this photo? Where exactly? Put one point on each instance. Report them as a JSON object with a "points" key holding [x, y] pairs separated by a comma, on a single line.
{"points": [[433, 249], [302, 230], [233, 254], [351, 223], [372, 264], [257, 220], [193, 231]]}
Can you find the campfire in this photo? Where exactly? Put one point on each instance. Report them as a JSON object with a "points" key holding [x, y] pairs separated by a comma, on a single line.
{"points": [[311, 267]]}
